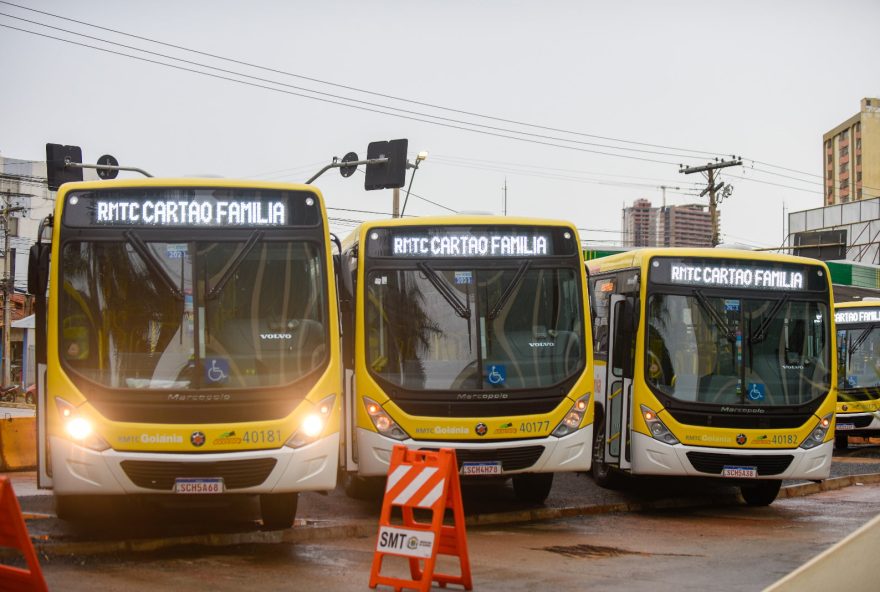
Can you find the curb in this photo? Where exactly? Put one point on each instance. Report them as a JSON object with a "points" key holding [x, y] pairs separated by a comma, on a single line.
{"points": [[313, 531]]}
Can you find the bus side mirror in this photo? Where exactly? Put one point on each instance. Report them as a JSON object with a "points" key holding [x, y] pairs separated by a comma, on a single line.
{"points": [[38, 269]]}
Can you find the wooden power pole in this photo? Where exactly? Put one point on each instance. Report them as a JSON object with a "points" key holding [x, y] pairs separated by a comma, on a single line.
{"points": [[712, 189]]}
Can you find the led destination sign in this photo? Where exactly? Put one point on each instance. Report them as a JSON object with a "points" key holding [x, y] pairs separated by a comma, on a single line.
{"points": [[192, 213], [469, 246], [471, 242], [749, 275], [854, 315], [191, 208]]}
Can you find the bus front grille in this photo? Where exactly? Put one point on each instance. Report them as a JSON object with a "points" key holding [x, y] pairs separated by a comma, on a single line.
{"points": [[512, 459], [713, 463], [160, 475]]}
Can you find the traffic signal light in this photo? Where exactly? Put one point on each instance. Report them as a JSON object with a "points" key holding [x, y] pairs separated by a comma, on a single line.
{"points": [[58, 174], [389, 174]]}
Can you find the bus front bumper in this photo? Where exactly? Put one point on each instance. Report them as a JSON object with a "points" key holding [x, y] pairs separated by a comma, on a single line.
{"points": [[868, 422], [82, 471], [569, 453], [652, 457]]}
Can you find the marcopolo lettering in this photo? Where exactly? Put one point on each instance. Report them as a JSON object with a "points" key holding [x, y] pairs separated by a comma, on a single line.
{"points": [[736, 277]]}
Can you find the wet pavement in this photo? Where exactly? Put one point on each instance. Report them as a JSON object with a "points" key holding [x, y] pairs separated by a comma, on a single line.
{"points": [[717, 548]]}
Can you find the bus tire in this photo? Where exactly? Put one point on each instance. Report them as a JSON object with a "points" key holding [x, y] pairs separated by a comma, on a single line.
{"points": [[761, 493], [841, 441], [532, 488], [363, 488], [603, 475], [278, 510]]}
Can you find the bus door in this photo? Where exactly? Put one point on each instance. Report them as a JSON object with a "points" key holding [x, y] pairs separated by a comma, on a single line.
{"points": [[618, 382], [38, 283], [346, 274]]}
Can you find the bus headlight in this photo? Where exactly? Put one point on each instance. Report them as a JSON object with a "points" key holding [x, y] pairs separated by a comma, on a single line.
{"points": [[312, 425], [383, 422], [78, 428], [818, 433], [657, 428], [573, 418]]}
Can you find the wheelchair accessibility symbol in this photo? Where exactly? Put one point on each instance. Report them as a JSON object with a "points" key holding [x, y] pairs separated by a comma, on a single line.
{"points": [[756, 391], [216, 370], [497, 374]]}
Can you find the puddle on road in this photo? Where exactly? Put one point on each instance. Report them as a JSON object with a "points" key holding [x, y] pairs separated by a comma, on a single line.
{"points": [[599, 552]]}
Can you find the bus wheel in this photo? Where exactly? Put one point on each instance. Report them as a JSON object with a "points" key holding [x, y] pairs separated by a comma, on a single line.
{"points": [[363, 488], [841, 441], [761, 493], [532, 487], [278, 510]]}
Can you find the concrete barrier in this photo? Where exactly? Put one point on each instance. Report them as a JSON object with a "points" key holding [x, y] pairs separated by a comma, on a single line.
{"points": [[849, 565], [18, 443]]}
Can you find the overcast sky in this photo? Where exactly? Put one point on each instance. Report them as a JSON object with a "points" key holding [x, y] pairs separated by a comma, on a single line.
{"points": [[650, 84]]}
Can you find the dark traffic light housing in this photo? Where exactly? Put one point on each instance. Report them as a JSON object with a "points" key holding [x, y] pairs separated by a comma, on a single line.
{"points": [[390, 174], [57, 173]]}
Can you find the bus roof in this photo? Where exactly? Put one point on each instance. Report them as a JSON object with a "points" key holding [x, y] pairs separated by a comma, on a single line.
{"points": [[870, 303], [639, 257], [184, 182]]}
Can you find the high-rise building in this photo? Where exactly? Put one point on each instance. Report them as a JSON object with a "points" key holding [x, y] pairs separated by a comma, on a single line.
{"points": [[669, 226], [685, 226], [851, 156], [640, 224]]}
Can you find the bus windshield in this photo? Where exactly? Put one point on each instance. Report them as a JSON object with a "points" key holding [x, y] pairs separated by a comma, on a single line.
{"points": [[457, 328], [858, 358], [764, 352], [192, 315]]}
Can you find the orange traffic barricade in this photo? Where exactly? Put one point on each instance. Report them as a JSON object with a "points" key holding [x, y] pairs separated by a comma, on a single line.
{"points": [[426, 480], [13, 534]]}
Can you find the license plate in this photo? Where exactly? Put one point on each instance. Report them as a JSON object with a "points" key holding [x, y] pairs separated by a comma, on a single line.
{"points": [[481, 468], [198, 486], [846, 426], [742, 472]]}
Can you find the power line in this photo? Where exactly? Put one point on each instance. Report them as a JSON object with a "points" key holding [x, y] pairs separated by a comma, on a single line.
{"points": [[348, 87], [342, 104]]}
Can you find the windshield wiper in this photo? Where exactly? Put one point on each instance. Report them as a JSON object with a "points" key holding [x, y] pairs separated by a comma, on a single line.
{"points": [[144, 251], [234, 265], [863, 336], [508, 291], [719, 320], [448, 293], [761, 333]]}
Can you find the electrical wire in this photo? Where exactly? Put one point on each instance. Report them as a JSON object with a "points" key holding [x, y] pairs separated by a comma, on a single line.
{"points": [[352, 88]]}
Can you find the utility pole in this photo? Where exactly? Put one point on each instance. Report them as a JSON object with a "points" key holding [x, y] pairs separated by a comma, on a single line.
{"points": [[504, 203], [712, 189], [395, 203], [8, 288]]}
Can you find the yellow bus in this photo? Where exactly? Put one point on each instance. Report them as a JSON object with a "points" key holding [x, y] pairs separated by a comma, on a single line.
{"points": [[189, 346], [858, 370], [713, 363], [471, 332]]}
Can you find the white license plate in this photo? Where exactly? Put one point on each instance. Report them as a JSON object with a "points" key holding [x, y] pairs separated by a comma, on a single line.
{"points": [[481, 468], [741, 472], [846, 426], [198, 486]]}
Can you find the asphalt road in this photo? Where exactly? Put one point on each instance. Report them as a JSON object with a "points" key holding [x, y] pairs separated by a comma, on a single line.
{"points": [[726, 548], [138, 519]]}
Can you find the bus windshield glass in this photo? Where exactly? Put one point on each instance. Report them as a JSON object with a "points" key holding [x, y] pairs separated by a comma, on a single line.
{"points": [[858, 358], [447, 326], [192, 315], [765, 351]]}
